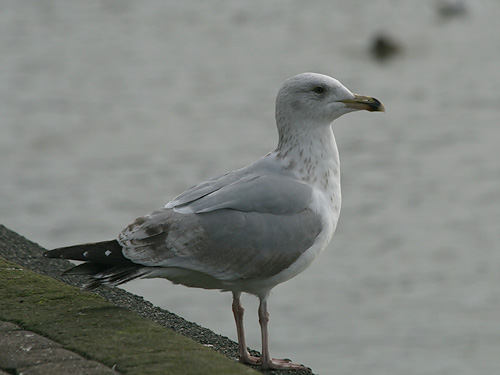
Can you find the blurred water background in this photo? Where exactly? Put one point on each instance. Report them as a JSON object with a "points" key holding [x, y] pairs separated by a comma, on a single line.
{"points": [[109, 109]]}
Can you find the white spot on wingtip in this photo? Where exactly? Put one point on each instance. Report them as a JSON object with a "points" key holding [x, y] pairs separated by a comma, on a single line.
{"points": [[107, 253]]}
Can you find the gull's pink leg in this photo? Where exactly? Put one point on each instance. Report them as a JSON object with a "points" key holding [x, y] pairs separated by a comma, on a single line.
{"points": [[243, 354], [265, 360]]}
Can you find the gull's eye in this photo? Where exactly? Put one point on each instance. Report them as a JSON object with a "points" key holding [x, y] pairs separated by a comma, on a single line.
{"points": [[319, 90]]}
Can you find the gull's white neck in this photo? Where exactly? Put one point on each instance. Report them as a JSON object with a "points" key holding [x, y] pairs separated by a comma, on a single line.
{"points": [[313, 157]]}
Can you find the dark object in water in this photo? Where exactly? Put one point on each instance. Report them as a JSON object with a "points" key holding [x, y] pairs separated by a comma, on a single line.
{"points": [[451, 8], [384, 47]]}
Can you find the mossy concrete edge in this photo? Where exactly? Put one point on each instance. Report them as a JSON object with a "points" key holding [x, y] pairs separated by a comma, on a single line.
{"points": [[88, 325]]}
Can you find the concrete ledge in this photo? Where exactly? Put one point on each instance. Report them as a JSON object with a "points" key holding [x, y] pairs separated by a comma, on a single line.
{"points": [[25, 352], [113, 330], [88, 325]]}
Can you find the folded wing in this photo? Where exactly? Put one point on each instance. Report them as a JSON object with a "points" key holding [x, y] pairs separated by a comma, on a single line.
{"points": [[240, 225]]}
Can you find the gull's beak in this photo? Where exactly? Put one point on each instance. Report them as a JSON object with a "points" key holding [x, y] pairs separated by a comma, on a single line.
{"points": [[366, 103]]}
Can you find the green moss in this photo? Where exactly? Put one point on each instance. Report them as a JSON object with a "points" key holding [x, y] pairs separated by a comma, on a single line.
{"points": [[87, 324]]}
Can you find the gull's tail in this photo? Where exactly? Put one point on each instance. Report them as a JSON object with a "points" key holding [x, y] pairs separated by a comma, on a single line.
{"points": [[104, 263]]}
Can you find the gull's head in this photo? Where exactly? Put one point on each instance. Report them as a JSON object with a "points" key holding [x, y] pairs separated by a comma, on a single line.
{"points": [[316, 100]]}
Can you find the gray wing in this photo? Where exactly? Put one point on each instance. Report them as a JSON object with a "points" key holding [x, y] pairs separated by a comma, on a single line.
{"points": [[200, 190], [261, 167], [226, 244], [250, 223], [258, 190], [265, 194]]}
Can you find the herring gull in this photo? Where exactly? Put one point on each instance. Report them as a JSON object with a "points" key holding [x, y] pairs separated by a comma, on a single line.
{"points": [[247, 230]]}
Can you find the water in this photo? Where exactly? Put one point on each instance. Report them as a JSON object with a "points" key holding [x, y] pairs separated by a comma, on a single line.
{"points": [[110, 109]]}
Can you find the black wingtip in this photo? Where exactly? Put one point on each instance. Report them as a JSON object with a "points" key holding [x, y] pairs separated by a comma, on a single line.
{"points": [[56, 253], [47, 254], [105, 252]]}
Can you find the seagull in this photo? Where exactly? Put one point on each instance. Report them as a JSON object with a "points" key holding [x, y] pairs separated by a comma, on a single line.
{"points": [[247, 230]]}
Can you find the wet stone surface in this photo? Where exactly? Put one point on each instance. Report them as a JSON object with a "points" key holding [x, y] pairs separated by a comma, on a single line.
{"points": [[27, 353]]}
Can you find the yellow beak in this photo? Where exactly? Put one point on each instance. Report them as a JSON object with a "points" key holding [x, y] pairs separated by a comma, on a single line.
{"points": [[366, 103]]}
